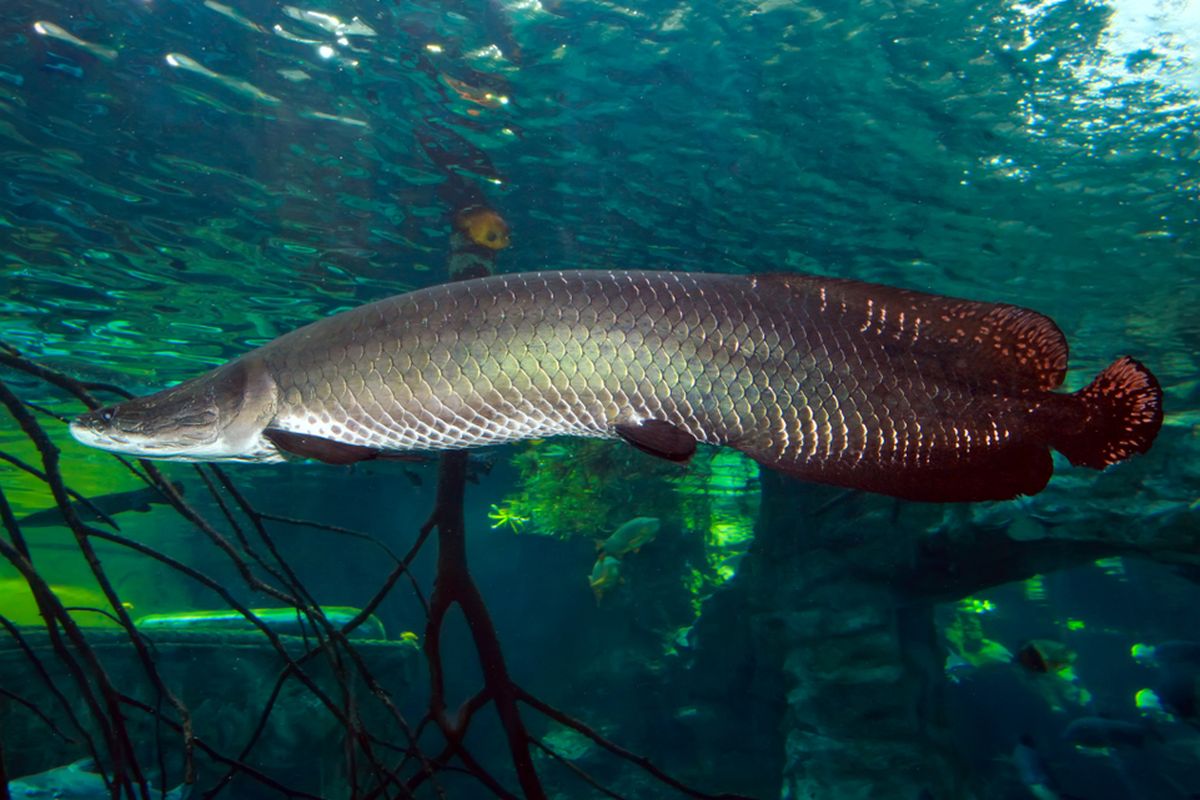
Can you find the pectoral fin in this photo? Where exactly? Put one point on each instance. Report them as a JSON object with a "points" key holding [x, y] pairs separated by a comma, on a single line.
{"points": [[659, 438], [327, 450]]}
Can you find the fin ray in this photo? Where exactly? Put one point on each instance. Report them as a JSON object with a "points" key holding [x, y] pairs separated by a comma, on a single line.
{"points": [[1115, 416]]}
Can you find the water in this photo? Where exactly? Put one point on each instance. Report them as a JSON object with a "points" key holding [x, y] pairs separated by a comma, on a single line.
{"points": [[183, 181]]}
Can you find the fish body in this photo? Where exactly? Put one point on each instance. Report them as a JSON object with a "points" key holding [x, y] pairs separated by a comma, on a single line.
{"points": [[854, 384], [1171, 653], [1177, 687], [1101, 732], [606, 574], [50, 30], [631, 536], [1178, 691], [287, 621], [77, 781], [1032, 771]]}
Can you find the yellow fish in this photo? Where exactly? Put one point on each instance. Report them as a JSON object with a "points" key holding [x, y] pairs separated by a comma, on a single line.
{"points": [[606, 574], [630, 537], [483, 226]]}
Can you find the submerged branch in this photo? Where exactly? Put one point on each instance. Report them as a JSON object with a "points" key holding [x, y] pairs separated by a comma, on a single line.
{"points": [[41, 476], [453, 586], [641, 761]]}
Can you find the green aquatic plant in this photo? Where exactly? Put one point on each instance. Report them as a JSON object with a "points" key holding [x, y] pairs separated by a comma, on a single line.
{"points": [[588, 489], [976, 605], [507, 515], [721, 498]]}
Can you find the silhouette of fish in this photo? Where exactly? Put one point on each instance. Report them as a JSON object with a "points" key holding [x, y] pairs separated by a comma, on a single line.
{"points": [[109, 504], [77, 781], [1100, 732], [860, 385]]}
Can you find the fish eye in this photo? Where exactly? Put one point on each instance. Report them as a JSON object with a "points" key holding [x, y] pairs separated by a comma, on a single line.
{"points": [[106, 416]]}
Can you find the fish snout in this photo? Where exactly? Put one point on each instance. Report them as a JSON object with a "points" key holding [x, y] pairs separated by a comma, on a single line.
{"points": [[95, 427]]}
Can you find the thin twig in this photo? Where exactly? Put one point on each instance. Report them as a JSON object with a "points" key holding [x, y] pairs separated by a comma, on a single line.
{"points": [[41, 476], [579, 771], [646, 764]]}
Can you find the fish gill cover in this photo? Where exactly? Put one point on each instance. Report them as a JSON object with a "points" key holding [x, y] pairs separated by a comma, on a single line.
{"points": [[184, 181]]}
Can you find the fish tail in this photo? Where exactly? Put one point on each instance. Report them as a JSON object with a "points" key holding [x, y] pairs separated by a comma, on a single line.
{"points": [[1115, 416]]}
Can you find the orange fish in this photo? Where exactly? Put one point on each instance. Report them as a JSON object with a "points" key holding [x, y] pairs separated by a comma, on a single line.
{"points": [[483, 226]]}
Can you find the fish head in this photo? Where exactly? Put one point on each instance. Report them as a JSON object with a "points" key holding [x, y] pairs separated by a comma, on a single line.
{"points": [[218, 416], [647, 529]]}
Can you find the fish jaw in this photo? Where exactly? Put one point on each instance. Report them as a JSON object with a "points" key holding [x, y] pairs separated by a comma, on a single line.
{"points": [[219, 416], [219, 450]]}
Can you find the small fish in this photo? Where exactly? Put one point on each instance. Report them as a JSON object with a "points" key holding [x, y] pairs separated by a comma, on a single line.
{"points": [[1177, 688], [474, 94], [77, 781], [242, 87], [52, 31], [1026, 529], [483, 226], [1174, 652], [329, 23], [1033, 772], [606, 574], [67, 66], [112, 504], [630, 537], [294, 75], [1178, 691], [1101, 732], [229, 13]]}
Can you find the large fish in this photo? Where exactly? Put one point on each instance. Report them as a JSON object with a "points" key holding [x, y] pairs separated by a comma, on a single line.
{"points": [[77, 781], [859, 385]]}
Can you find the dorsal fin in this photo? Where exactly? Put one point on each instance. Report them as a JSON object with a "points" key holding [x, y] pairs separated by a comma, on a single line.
{"points": [[991, 341]]}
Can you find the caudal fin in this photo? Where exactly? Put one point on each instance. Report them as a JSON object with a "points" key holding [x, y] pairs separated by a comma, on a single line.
{"points": [[1122, 411]]}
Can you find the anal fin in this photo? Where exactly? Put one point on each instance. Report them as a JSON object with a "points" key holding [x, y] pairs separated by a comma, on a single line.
{"points": [[999, 474], [659, 438]]}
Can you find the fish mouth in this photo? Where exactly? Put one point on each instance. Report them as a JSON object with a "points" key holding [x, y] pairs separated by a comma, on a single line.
{"points": [[100, 429], [92, 430]]}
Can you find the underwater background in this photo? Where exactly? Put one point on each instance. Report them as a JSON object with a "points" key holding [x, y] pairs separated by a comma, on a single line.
{"points": [[181, 181]]}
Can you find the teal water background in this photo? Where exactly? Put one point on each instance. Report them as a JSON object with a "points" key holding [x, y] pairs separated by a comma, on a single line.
{"points": [[157, 219], [186, 180]]}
